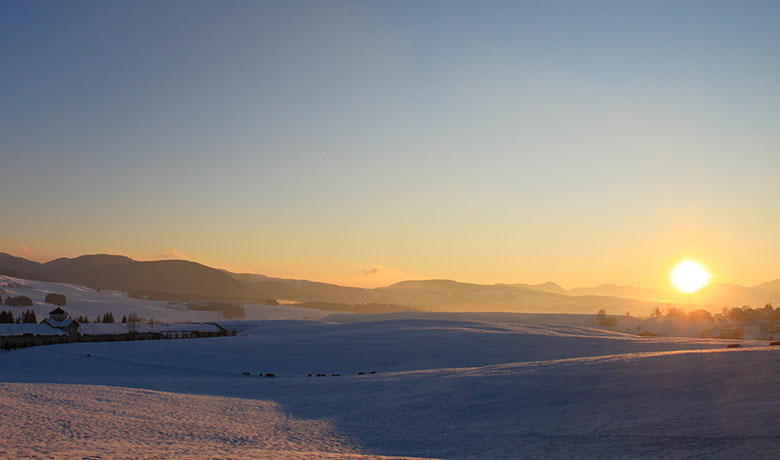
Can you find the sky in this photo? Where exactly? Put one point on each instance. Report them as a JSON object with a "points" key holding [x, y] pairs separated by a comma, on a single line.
{"points": [[368, 142]]}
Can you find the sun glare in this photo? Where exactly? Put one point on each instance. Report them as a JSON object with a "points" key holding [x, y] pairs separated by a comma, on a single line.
{"points": [[689, 276]]}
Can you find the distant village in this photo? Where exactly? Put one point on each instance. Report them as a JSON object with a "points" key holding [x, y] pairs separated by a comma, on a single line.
{"points": [[59, 327]]}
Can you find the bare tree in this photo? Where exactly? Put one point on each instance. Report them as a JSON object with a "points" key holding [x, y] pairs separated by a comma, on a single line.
{"points": [[132, 322]]}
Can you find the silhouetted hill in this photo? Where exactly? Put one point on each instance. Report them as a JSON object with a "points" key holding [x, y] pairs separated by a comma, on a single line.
{"points": [[614, 290], [18, 267], [733, 295], [454, 296], [165, 278], [546, 287], [309, 291], [250, 278], [771, 286], [75, 270]]}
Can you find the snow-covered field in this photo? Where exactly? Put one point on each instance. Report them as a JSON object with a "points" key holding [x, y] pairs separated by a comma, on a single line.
{"points": [[476, 386]]}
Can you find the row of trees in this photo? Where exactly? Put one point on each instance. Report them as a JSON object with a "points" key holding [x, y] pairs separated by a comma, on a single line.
{"points": [[676, 312], [18, 301], [106, 318], [24, 301], [744, 314], [28, 316]]}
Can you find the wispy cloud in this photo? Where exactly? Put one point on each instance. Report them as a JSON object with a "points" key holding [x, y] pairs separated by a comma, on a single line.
{"points": [[375, 276], [172, 253], [24, 249], [374, 270]]}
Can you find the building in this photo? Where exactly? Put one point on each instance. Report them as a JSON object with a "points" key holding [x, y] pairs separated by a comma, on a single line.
{"points": [[60, 319], [58, 314], [69, 326], [27, 335]]}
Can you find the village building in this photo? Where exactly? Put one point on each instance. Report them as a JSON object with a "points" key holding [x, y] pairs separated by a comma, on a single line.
{"points": [[60, 319], [58, 314], [70, 326]]}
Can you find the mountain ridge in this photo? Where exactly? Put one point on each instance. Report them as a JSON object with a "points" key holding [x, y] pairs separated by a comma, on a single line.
{"points": [[179, 279]]}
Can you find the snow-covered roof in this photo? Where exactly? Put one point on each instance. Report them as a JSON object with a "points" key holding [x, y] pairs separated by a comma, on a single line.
{"points": [[58, 311], [29, 328], [52, 323], [104, 328]]}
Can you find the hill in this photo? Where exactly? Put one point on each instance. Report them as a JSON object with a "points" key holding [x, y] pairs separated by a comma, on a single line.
{"points": [[160, 279]]}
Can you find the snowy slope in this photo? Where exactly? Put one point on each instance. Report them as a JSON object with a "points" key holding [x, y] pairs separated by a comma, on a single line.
{"points": [[444, 388], [88, 302], [80, 421]]}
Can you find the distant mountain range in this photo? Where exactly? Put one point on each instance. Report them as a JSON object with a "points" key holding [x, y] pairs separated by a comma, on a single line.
{"points": [[185, 280]]}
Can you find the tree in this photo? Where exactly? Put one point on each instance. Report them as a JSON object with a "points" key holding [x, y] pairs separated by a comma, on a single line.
{"points": [[18, 301], [29, 317], [56, 299], [132, 322], [6, 317], [603, 320], [99, 319], [700, 315], [124, 319], [108, 317]]}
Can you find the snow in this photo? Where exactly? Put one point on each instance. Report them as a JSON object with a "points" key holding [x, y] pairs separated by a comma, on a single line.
{"points": [[84, 301], [447, 385], [103, 328], [122, 328], [79, 421], [474, 386], [58, 324]]}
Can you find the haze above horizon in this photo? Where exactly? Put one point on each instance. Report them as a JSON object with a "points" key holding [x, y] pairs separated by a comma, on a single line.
{"points": [[363, 143]]}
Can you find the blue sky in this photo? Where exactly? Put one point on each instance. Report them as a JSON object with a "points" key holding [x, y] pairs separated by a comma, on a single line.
{"points": [[582, 142]]}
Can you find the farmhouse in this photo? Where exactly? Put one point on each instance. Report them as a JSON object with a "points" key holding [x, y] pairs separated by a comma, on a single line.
{"points": [[58, 314], [60, 319]]}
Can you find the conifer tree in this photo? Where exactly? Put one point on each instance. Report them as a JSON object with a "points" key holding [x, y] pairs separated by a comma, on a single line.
{"points": [[29, 317]]}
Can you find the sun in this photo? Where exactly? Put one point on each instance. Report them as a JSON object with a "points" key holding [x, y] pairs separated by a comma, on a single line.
{"points": [[689, 276]]}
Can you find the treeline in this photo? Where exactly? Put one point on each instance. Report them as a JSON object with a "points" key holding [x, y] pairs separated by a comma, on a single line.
{"points": [[106, 318], [18, 301], [28, 316], [230, 310], [745, 314]]}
